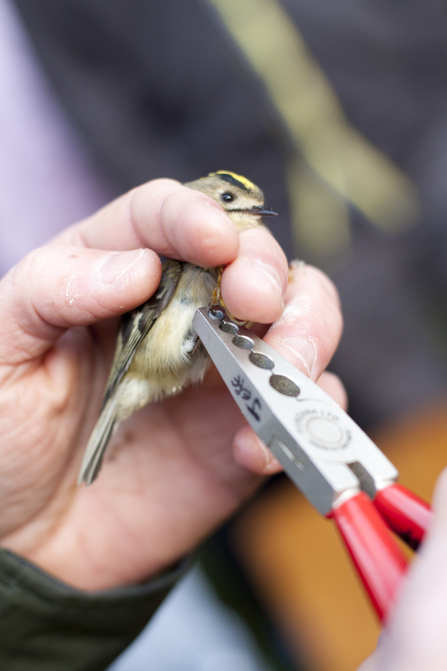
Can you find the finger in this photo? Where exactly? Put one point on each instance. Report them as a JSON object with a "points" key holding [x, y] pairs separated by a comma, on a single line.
{"points": [[58, 287], [306, 334], [333, 386], [415, 634], [255, 284], [171, 219], [250, 452], [309, 329]]}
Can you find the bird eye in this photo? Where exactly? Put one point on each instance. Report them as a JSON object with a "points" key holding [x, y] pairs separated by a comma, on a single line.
{"points": [[227, 197]]}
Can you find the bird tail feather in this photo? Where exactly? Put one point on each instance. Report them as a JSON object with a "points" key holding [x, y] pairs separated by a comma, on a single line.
{"points": [[94, 452]]}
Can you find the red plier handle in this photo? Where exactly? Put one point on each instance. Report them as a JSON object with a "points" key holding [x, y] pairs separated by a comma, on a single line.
{"points": [[364, 526]]}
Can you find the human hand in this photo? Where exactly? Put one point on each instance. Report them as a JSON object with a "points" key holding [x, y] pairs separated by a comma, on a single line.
{"points": [[414, 638], [170, 475]]}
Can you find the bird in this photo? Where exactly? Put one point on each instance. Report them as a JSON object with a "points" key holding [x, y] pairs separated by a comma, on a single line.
{"points": [[158, 353]]}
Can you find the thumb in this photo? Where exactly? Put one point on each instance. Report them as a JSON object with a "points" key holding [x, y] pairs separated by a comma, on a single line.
{"points": [[57, 287]]}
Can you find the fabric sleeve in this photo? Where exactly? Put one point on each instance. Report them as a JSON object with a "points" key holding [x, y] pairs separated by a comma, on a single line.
{"points": [[46, 625]]}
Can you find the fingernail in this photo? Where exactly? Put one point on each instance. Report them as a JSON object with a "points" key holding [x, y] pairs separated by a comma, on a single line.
{"points": [[269, 273], [304, 351], [116, 264], [272, 465], [297, 264]]}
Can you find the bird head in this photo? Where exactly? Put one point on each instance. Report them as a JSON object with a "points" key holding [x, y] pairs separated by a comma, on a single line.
{"points": [[242, 200]]}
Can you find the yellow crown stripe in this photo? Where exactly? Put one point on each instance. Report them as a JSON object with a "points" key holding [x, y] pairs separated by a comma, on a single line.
{"points": [[239, 178]]}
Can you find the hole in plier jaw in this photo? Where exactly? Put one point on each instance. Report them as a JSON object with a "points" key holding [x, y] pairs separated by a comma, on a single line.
{"points": [[216, 312]]}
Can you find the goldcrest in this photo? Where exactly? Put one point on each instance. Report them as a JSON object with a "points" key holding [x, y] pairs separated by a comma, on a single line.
{"points": [[158, 352]]}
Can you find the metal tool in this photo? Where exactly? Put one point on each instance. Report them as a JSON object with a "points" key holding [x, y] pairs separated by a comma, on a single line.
{"points": [[324, 452]]}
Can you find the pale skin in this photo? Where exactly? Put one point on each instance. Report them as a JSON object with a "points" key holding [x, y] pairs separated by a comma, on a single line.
{"points": [[176, 469], [415, 637]]}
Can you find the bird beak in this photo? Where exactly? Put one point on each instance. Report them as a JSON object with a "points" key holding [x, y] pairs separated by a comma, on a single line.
{"points": [[262, 212]]}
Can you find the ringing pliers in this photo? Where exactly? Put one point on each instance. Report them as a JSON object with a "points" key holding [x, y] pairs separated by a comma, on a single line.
{"points": [[324, 452]]}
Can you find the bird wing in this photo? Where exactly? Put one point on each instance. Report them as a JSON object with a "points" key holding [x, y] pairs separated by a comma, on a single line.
{"points": [[136, 324]]}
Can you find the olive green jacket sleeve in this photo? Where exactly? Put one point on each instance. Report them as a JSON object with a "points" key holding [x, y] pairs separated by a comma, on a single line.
{"points": [[46, 625]]}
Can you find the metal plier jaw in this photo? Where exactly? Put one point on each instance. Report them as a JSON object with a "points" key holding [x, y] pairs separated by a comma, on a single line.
{"points": [[322, 450]]}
